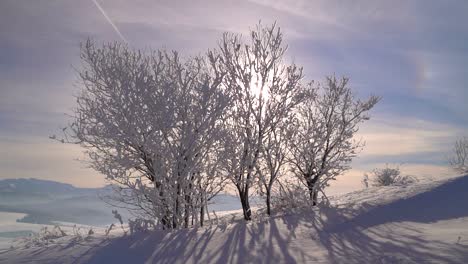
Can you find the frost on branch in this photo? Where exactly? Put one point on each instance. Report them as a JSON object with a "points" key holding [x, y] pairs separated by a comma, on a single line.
{"points": [[264, 91], [323, 144], [149, 121], [170, 133]]}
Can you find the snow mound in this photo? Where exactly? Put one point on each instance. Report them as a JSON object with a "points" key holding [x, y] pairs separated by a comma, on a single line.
{"points": [[422, 223]]}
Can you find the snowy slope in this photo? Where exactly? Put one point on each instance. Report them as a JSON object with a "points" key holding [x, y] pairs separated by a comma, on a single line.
{"points": [[423, 223]]}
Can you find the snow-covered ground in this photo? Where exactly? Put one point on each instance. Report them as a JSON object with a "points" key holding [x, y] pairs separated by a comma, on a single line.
{"points": [[27, 205], [13, 232], [425, 222], [9, 228]]}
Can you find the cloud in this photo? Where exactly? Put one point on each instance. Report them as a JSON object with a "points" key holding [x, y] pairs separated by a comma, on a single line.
{"points": [[397, 136], [411, 53], [419, 147]]}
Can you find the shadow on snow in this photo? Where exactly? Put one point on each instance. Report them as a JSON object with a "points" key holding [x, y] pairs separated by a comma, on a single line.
{"points": [[327, 235]]}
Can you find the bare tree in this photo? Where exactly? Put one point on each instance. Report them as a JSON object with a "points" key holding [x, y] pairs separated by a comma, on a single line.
{"points": [[264, 90], [148, 122], [323, 145], [459, 159]]}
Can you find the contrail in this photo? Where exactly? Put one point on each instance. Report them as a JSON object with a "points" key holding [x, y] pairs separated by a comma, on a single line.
{"points": [[109, 20]]}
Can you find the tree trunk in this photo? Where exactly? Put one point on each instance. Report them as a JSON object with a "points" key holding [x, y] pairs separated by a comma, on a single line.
{"points": [[246, 206], [313, 192], [166, 219], [268, 201], [175, 215], [202, 209], [165, 222], [202, 214], [313, 195], [314, 199], [188, 204]]}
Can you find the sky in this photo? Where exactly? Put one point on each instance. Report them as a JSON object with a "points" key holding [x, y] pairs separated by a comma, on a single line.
{"points": [[411, 53]]}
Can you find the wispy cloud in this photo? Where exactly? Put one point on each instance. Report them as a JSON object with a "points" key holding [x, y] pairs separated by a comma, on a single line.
{"points": [[397, 136], [411, 53]]}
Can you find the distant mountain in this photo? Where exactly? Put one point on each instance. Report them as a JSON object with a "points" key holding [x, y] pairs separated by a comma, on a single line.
{"points": [[41, 187], [46, 201]]}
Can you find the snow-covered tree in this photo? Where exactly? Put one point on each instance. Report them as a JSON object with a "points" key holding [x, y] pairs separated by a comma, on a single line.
{"points": [[264, 90], [459, 159], [273, 159], [213, 180], [149, 122], [323, 145], [172, 132]]}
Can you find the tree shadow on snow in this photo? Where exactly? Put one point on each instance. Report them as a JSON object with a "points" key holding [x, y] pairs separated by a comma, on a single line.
{"points": [[390, 243], [447, 201], [238, 243], [378, 235], [381, 234]]}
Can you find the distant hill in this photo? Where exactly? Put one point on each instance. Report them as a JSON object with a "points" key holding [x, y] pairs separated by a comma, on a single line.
{"points": [[17, 190], [46, 201], [34, 186]]}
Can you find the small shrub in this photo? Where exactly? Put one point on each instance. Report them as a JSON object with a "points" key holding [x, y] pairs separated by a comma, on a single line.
{"points": [[459, 159], [47, 236], [388, 176], [82, 233], [42, 238]]}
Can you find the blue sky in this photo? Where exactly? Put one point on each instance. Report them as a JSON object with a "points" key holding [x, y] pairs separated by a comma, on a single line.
{"points": [[412, 53]]}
